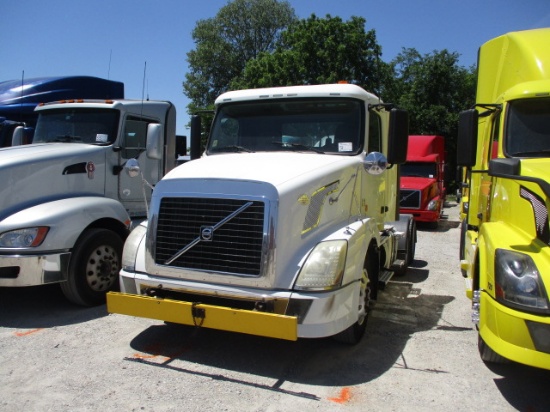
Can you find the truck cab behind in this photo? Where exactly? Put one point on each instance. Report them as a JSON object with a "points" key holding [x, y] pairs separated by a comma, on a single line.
{"points": [[422, 185]]}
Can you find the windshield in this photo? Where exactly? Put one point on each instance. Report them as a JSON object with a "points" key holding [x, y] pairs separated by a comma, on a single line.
{"points": [[312, 125], [528, 128], [77, 125], [419, 169]]}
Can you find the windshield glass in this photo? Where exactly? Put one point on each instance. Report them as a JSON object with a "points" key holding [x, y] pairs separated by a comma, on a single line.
{"points": [[528, 128], [419, 169], [77, 125], [312, 125]]}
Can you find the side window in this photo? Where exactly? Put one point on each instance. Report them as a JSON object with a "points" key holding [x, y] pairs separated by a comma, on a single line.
{"points": [[135, 136], [493, 150], [375, 133]]}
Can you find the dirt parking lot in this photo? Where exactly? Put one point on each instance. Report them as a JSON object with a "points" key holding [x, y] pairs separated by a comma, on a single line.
{"points": [[420, 353]]}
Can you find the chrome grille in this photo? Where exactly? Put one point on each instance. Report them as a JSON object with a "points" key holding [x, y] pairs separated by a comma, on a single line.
{"points": [[409, 199], [234, 247]]}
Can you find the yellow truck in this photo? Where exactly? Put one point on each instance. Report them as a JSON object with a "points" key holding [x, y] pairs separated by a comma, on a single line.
{"points": [[504, 143]]}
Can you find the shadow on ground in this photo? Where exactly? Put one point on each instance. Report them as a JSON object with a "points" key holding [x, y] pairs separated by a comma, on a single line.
{"points": [[524, 387], [400, 312], [43, 306]]}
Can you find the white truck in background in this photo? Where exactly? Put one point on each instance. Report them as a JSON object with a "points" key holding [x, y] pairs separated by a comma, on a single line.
{"points": [[67, 200], [288, 224], [18, 99]]}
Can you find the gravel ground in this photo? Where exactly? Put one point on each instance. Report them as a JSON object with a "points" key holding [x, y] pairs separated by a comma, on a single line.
{"points": [[420, 353]]}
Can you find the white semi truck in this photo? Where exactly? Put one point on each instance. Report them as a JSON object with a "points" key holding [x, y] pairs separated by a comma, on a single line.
{"points": [[67, 201], [288, 224]]}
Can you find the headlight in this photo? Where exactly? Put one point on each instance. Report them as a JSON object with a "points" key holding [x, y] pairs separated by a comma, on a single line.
{"points": [[24, 238], [324, 267], [518, 282], [131, 246], [433, 205]]}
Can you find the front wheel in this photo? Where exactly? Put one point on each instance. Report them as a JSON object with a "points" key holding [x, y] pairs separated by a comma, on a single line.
{"points": [[487, 354], [411, 242], [94, 267], [410, 247], [354, 333]]}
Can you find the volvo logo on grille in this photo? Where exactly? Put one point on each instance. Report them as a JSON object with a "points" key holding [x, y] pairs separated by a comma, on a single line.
{"points": [[207, 233]]}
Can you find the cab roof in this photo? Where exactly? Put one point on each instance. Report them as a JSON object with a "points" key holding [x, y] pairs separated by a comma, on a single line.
{"points": [[324, 90]]}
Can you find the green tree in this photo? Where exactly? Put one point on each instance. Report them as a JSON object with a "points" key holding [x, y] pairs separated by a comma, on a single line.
{"points": [[315, 51], [240, 31], [433, 88]]}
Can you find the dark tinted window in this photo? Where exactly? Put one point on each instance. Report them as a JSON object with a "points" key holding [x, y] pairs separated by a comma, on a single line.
{"points": [[528, 128], [325, 125], [77, 125]]}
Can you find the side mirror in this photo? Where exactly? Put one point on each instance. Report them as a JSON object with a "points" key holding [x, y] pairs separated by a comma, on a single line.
{"points": [[375, 163], [181, 145], [467, 138], [398, 136], [132, 168], [505, 167], [195, 137], [18, 137], [154, 145]]}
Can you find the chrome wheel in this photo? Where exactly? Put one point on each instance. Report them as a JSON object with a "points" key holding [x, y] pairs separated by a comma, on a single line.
{"points": [[102, 268]]}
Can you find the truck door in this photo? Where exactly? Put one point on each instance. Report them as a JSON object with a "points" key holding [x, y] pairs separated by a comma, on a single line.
{"points": [[375, 190], [132, 191], [481, 182]]}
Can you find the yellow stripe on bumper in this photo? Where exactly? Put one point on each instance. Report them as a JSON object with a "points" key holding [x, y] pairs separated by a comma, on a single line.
{"points": [[214, 317]]}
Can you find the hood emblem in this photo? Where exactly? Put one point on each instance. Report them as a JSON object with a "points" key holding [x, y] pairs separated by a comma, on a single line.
{"points": [[207, 233]]}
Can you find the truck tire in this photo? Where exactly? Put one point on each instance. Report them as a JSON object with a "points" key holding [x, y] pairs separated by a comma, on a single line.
{"points": [[353, 334], [94, 267], [411, 242], [463, 229], [410, 247], [487, 354]]}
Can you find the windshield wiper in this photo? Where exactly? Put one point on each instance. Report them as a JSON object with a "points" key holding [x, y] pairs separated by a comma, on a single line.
{"points": [[298, 146], [67, 138], [232, 148]]}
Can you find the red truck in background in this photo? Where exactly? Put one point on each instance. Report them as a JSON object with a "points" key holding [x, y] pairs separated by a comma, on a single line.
{"points": [[422, 184]]}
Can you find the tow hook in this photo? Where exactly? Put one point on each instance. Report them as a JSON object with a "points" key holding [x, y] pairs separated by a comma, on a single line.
{"points": [[198, 314], [153, 292]]}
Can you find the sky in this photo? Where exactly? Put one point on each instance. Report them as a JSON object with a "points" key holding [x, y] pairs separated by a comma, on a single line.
{"points": [[144, 43]]}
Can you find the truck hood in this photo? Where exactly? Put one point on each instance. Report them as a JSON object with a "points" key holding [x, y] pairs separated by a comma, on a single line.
{"points": [[276, 168], [415, 183], [295, 188], [34, 174]]}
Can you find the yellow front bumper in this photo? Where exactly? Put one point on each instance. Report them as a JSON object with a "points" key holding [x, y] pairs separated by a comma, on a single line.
{"points": [[506, 332], [208, 316]]}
